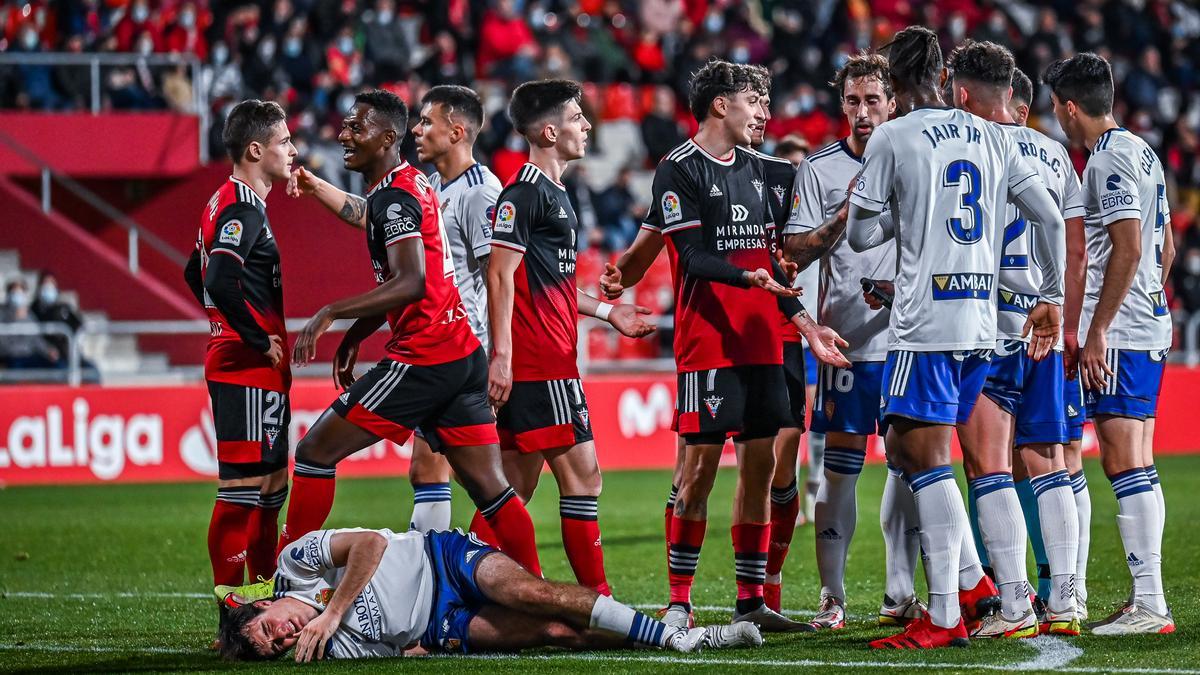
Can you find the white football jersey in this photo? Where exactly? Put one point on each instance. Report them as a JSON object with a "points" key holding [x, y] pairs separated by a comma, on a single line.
{"points": [[390, 614], [1124, 179], [468, 204], [821, 183], [1020, 275], [947, 176]]}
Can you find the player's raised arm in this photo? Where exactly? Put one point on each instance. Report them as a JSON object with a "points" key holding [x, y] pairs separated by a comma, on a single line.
{"points": [[397, 218], [806, 238], [350, 208], [626, 318], [870, 192], [633, 263]]}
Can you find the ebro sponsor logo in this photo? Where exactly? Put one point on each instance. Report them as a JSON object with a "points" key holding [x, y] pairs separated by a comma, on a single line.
{"points": [[1117, 195], [962, 286], [103, 443]]}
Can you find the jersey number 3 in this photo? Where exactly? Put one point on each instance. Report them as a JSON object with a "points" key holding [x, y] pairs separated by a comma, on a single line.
{"points": [[961, 231]]}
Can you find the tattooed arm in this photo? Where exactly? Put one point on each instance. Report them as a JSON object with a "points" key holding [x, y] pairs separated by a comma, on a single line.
{"points": [[349, 207]]}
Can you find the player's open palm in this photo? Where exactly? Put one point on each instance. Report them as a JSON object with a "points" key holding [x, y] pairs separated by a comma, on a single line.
{"points": [[1042, 327], [301, 182], [306, 342], [499, 381], [610, 282], [343, 364], [627, 319], [826, 346], [1093, 363], [763, 279], [315, 635]]}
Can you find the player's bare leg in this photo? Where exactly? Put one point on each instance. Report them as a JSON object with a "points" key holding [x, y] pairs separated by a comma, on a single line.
{"points": [[481, 473], [330, 440], [1073, 460], [429, 473], [987, 458], [577, 473], [924, 453], [529, 611], [1059, 523], [835, 517], [1138, 514], [785, 507]]}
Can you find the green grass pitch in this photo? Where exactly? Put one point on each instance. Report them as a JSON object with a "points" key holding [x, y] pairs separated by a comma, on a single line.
{"points": [[113, 578]]}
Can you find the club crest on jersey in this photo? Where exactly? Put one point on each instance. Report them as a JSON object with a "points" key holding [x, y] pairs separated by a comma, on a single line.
{"points": [[323, 596], [672, 211], [829, 407], [758, 186], [231, 233], [962, 286], [506, 217], [272, 434], [583, 416], [779, 190], [713, 403], [489, 218]]}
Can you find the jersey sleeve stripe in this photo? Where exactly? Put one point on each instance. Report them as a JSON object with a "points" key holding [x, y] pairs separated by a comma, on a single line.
{"points": [[482, 249], [508, 245], [1074, 212], [682, 226], [651, 228], [1023, 185], [1124, 214], [407, 235], [229, 252], [863, 198]]}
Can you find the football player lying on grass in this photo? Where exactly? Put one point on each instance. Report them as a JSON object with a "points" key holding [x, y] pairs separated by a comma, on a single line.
{"points": [[347, 594]]}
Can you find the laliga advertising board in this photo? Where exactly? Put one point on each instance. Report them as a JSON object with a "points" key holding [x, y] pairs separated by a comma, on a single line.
{"points": [[95, 434]]}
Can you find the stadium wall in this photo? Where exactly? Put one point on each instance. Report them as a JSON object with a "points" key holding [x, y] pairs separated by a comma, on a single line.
{"points": [[93, 434], [81, 145]]}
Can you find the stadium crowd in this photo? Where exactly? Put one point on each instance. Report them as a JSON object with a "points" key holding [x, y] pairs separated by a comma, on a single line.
{"points": [[314, 55]]}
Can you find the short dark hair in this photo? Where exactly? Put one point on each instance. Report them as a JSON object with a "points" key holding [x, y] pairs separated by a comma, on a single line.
{"points": [[235, 646], [792, 143], [458, 100], [721, 78], [1085, 79], [1022, 87], [535, 101], [389, 105], [914, 57], [863, 65], [249, 122], [987, 63]]}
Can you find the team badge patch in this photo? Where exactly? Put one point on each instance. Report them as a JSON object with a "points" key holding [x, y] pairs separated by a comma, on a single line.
{"points": [[323, 596], [583, 416], [272, 434], [671, 210], [489, 218], [778, 190], [713, 403], [231, 233], [829, 407], [758, 186], [506, 217]]}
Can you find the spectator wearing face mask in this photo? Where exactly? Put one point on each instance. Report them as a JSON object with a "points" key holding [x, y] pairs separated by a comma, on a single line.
{"points": [[138, 19], [387, 49], [186, 34], [24, 351]]}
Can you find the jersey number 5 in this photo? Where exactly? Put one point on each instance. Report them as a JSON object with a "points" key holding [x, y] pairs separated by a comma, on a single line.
{"points": [[959, 171]]}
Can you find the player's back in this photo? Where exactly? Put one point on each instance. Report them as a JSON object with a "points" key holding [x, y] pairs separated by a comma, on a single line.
{"points": [[433, 329], [1020, 275], [234, 222], [468, 207], [947, 175], [1124, 179], [534, 217]]}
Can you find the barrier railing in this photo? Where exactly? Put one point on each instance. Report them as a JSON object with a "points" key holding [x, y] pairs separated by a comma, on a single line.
{"points": [[73, 372]]}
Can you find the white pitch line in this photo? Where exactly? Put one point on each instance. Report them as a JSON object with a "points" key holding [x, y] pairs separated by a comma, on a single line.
{"points": [[99, 650], [1052, 654], [104, 596]]}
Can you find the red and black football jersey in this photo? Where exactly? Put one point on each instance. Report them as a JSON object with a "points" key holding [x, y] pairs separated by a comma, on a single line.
{"points": [[234, 224], [434, 329], [780, 177], [534, 217], [726, 201]]}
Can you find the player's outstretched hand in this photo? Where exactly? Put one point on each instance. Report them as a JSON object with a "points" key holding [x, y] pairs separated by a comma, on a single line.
{"points": [[790, 269], [627, 319], [610, 282], [1071, 355], [825, 346], [301, 182], [274, 353], [1093, 364], [315, 635], [884, 287], [763, 279], [499, 380], [1042, 327], [306, 342], [343, 364]]}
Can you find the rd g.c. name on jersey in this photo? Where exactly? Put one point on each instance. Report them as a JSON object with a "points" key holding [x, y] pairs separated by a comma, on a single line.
{"points": [[1020, 274], [1124, 179], [948, 176]]}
